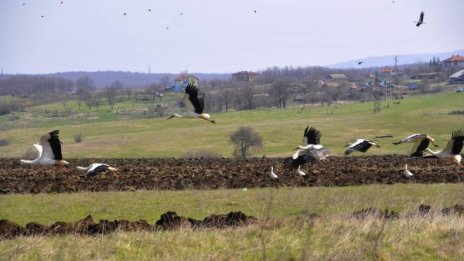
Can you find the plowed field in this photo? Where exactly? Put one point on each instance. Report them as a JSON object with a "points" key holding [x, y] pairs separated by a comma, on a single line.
{"points": [[179, 174]]}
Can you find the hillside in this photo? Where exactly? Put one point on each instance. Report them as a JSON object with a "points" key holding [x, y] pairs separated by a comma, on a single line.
{"points": [[109, 135], [403, 59]]}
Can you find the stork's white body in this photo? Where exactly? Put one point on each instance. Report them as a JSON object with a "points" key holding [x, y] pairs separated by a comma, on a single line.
{"points": [[92, 168], [443, 154], [452, 150], [47, 156], [406, 172], [300, 172], [309, 148], [272, 174]]}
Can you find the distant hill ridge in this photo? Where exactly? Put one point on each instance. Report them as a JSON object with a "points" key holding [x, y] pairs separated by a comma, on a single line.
{"points": [[378, 61], [128, 79]]}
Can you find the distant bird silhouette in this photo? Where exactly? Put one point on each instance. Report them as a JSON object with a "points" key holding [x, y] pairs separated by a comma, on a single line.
{"points": [[383, 136], [360, 62], [24, 4], [421, 19], [125, 13], [149, 10], [42, 16], [181, 13], [61, 2], [406, 172], [361, 145], [167, 28], [272, 174], [255, 11]]}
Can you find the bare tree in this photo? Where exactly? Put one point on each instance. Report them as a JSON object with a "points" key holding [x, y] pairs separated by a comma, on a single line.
{"points": [[112, 91], [279, 92], [245, 139], [84, 89]]}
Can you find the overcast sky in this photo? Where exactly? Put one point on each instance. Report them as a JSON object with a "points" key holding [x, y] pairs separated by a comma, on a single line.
{"points": [[217, 35]]}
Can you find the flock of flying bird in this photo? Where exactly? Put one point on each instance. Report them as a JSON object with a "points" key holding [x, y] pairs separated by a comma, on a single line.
{"points": [[312, 151]]}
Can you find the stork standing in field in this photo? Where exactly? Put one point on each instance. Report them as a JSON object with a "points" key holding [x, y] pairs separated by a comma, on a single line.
{"points": [[312, 151], [49, 151], [406, 172], [361, 145], [272, 174], [421, 142], [194, 104], [95, 168], [452, 149]]}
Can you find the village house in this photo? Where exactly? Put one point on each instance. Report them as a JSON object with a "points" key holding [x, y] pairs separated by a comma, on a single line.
{"points": [[244, 76], [456, 78], [453, 61]]}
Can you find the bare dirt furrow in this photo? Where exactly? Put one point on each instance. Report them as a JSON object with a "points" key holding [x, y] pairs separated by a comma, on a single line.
{"points": [[180, 174]]}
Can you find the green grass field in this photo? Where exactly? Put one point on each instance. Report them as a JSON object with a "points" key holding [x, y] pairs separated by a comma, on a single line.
{"points": [[108, 135], [284, 231]]}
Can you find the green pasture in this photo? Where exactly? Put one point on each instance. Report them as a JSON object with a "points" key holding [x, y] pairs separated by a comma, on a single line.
{"points": [[106, 134], [284, 230]]}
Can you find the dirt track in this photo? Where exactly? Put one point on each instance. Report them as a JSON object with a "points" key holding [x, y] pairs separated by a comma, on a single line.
{"points": [[178, 174]]}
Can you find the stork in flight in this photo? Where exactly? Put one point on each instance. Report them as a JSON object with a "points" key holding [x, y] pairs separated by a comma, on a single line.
{"points": [[95, 168], [361, 145], [49, 151], [452, 149], [421, 142], [312, 151], [421, 19], [194, 103]]}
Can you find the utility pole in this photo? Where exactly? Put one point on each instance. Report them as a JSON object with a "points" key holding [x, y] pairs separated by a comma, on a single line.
{"points": [[396, 71]]}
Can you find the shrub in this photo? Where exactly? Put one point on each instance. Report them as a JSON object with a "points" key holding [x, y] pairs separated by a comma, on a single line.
{"points": [[4, 142], [78, 138], [245, 139]]}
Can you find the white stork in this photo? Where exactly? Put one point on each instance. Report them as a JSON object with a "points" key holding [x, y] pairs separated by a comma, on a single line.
{"points": [[421, 19], [421, 142], [49, 151], [361, 145], [194, 105], [406, 172], [300, 172], [452, 149], [272, 174], [312, 151], [94, 168]]}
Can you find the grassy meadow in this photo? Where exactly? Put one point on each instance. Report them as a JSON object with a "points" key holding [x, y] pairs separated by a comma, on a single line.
{"points": [[284, 230], [109, 135]]}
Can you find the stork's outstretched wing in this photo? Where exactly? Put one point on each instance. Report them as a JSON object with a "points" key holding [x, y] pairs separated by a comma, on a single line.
{"points": [[193, 101], [455, 144], [419, 147], [51, 146], [311, 136]]}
